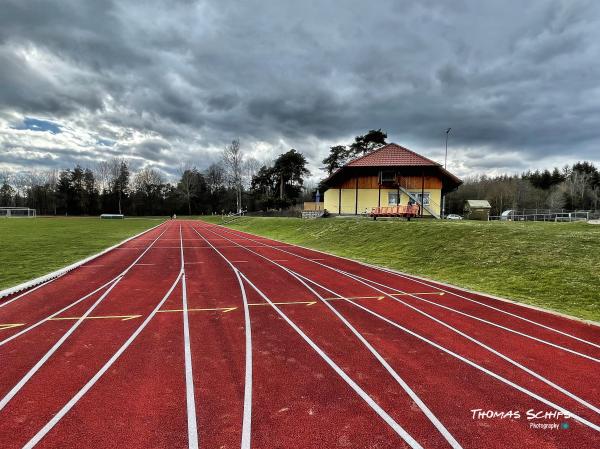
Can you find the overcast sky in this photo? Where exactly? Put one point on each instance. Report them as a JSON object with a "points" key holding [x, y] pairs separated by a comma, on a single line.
{"points": [[164, 82]]}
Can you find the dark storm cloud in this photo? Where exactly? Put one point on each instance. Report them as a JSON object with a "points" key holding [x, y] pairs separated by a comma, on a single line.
{"points": [[165, 82]]}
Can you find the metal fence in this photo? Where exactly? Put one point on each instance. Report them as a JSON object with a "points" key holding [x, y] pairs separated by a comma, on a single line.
{"points": [[544, 215]]}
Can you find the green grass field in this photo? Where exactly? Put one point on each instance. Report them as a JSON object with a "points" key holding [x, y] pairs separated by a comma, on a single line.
{"points": [[550, 265], [31, 247]]}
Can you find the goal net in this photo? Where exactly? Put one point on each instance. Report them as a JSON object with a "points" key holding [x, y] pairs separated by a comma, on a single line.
{"points": [[17, 212]]}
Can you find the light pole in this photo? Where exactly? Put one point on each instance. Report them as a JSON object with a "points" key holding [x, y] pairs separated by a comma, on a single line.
{"points": [[445, 165]]}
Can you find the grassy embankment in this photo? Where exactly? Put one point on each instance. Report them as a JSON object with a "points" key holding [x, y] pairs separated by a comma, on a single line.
{"points": [[550, 265], [31, 247]]}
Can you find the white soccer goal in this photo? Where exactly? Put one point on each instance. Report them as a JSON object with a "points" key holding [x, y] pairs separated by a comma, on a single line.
{"points": [[17, 212]]}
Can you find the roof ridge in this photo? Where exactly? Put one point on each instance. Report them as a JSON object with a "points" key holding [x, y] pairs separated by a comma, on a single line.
{"points": [[367, 154], [416, 154], [391, 146]]}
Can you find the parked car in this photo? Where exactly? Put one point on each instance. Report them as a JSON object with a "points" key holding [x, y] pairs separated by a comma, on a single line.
{"points": [[453, 217]]}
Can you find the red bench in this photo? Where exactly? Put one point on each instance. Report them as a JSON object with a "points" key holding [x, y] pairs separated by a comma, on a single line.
{"points": [[408, 211]]}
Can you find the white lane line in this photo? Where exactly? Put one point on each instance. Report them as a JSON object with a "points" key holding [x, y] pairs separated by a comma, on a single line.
{"points": [[14, 390], [433, 285], [382, 413], [468, 337], [426, 411], [189, 375], [247, 413], [48, 318], [416, 296], [69, 405], [247, 418]]}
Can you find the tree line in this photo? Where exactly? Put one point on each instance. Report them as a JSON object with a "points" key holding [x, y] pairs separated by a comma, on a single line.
{"points": [[239, 182], [233, 183], [575, 187]]}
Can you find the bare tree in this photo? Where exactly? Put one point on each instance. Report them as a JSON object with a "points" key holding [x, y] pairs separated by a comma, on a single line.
{"points": [[215, 177], [556, 197], [102, 173], [251, 167], [188, 183], [52, 181], [118, 178], [233, 159], [21, 181], [147, 180]]}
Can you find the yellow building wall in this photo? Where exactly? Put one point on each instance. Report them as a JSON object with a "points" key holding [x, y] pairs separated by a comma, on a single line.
{"points": [[330, 200], [368, 198], [348, 201]]}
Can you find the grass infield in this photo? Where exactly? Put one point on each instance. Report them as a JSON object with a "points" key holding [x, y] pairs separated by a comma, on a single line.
{"points": [[31, 247], [550, 265]]}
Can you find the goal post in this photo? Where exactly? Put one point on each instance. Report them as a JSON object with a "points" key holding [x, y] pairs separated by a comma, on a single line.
{"points": [[17, 212]]}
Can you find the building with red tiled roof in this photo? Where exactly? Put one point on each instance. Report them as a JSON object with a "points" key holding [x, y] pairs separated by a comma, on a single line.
{"points": [[388, 176]]}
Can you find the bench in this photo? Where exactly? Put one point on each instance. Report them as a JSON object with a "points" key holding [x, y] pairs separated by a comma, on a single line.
{"points": [[407, 211]]}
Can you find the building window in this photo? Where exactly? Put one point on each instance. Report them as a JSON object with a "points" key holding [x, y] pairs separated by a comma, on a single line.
{"points": [[417, 195], [388, 176], [392, 198]]}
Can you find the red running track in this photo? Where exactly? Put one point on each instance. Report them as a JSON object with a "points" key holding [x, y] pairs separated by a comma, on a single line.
{"points": [[195, 335]]}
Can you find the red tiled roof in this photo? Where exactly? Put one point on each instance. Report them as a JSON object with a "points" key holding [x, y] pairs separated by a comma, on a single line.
{"points": [[391, 155]]}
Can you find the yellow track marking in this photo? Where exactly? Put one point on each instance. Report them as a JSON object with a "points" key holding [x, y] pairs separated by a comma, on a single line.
{"points": [[10, 325], [216, 309]]}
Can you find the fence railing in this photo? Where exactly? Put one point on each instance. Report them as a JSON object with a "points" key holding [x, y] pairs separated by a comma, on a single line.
{"points": [[550, 217]]}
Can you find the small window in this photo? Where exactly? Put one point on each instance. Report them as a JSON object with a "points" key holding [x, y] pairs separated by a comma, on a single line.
{"points": [[388, 176], [417, 195], [392, 198]]}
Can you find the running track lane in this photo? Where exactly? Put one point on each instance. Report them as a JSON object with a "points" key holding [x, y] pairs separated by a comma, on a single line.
{"points": [[298, 400], [587, 371]]}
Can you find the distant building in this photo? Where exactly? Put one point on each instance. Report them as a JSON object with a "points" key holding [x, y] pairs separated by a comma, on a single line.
{"points": [[389, 176], [477, 209]]}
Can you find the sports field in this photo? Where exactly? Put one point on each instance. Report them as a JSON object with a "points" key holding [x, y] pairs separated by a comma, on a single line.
{"points": [[32, 247], [194, 335]]}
